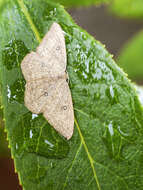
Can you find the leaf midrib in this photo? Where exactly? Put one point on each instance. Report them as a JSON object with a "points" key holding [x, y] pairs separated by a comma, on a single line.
{"points": [[28, 17], [37, 35]]}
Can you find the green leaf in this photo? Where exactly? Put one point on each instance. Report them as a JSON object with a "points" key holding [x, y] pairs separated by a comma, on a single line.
{"points": [[3, 142], [127, 8], [78, 3], [4, 152], [105, 151], [131, 56]]}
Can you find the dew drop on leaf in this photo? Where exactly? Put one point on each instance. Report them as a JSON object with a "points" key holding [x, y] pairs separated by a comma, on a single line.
{"points": [[13, 54], [41, 139]]}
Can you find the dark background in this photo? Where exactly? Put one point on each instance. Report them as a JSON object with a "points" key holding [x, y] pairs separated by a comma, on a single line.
{"points": [[111, 31], [105, 27]]}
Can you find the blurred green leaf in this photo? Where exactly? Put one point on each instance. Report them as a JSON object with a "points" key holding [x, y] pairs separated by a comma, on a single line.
{"points": [[131, 57], [80, 3], [127, 8], [105, 151]]}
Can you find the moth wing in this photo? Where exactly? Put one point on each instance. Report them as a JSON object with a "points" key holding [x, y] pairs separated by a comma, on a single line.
{"points": [[36, 67], [53, 99], [38, 94], [53, 45], [59, 111]]}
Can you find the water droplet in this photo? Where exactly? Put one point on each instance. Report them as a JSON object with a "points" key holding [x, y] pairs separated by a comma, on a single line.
{"points": [[15, 92], [31, 134], [87, 65], [85, 75], [50, 144], [110, 127], [112, 94], [139, 90], [112, 141], [121, 132], [8, 92], [102, 65], [16, 146], [52, 165], [40, 138], [112, 91], [34, 115], [13, 54], [98, 74]]}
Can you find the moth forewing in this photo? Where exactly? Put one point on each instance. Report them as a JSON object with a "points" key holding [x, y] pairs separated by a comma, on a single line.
{"points": [[47, 90]]}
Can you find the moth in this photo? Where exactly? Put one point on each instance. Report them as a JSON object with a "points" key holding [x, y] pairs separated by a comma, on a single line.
{"points": [[47, 90]]}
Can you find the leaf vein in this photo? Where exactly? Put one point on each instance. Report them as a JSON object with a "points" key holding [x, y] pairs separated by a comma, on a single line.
{"points": [[82, 112], [88, 154], [68, 172], [38, 141], [28, 17]]}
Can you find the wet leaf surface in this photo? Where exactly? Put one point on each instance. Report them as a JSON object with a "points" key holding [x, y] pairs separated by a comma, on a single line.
{"points": [[105, 152]]}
